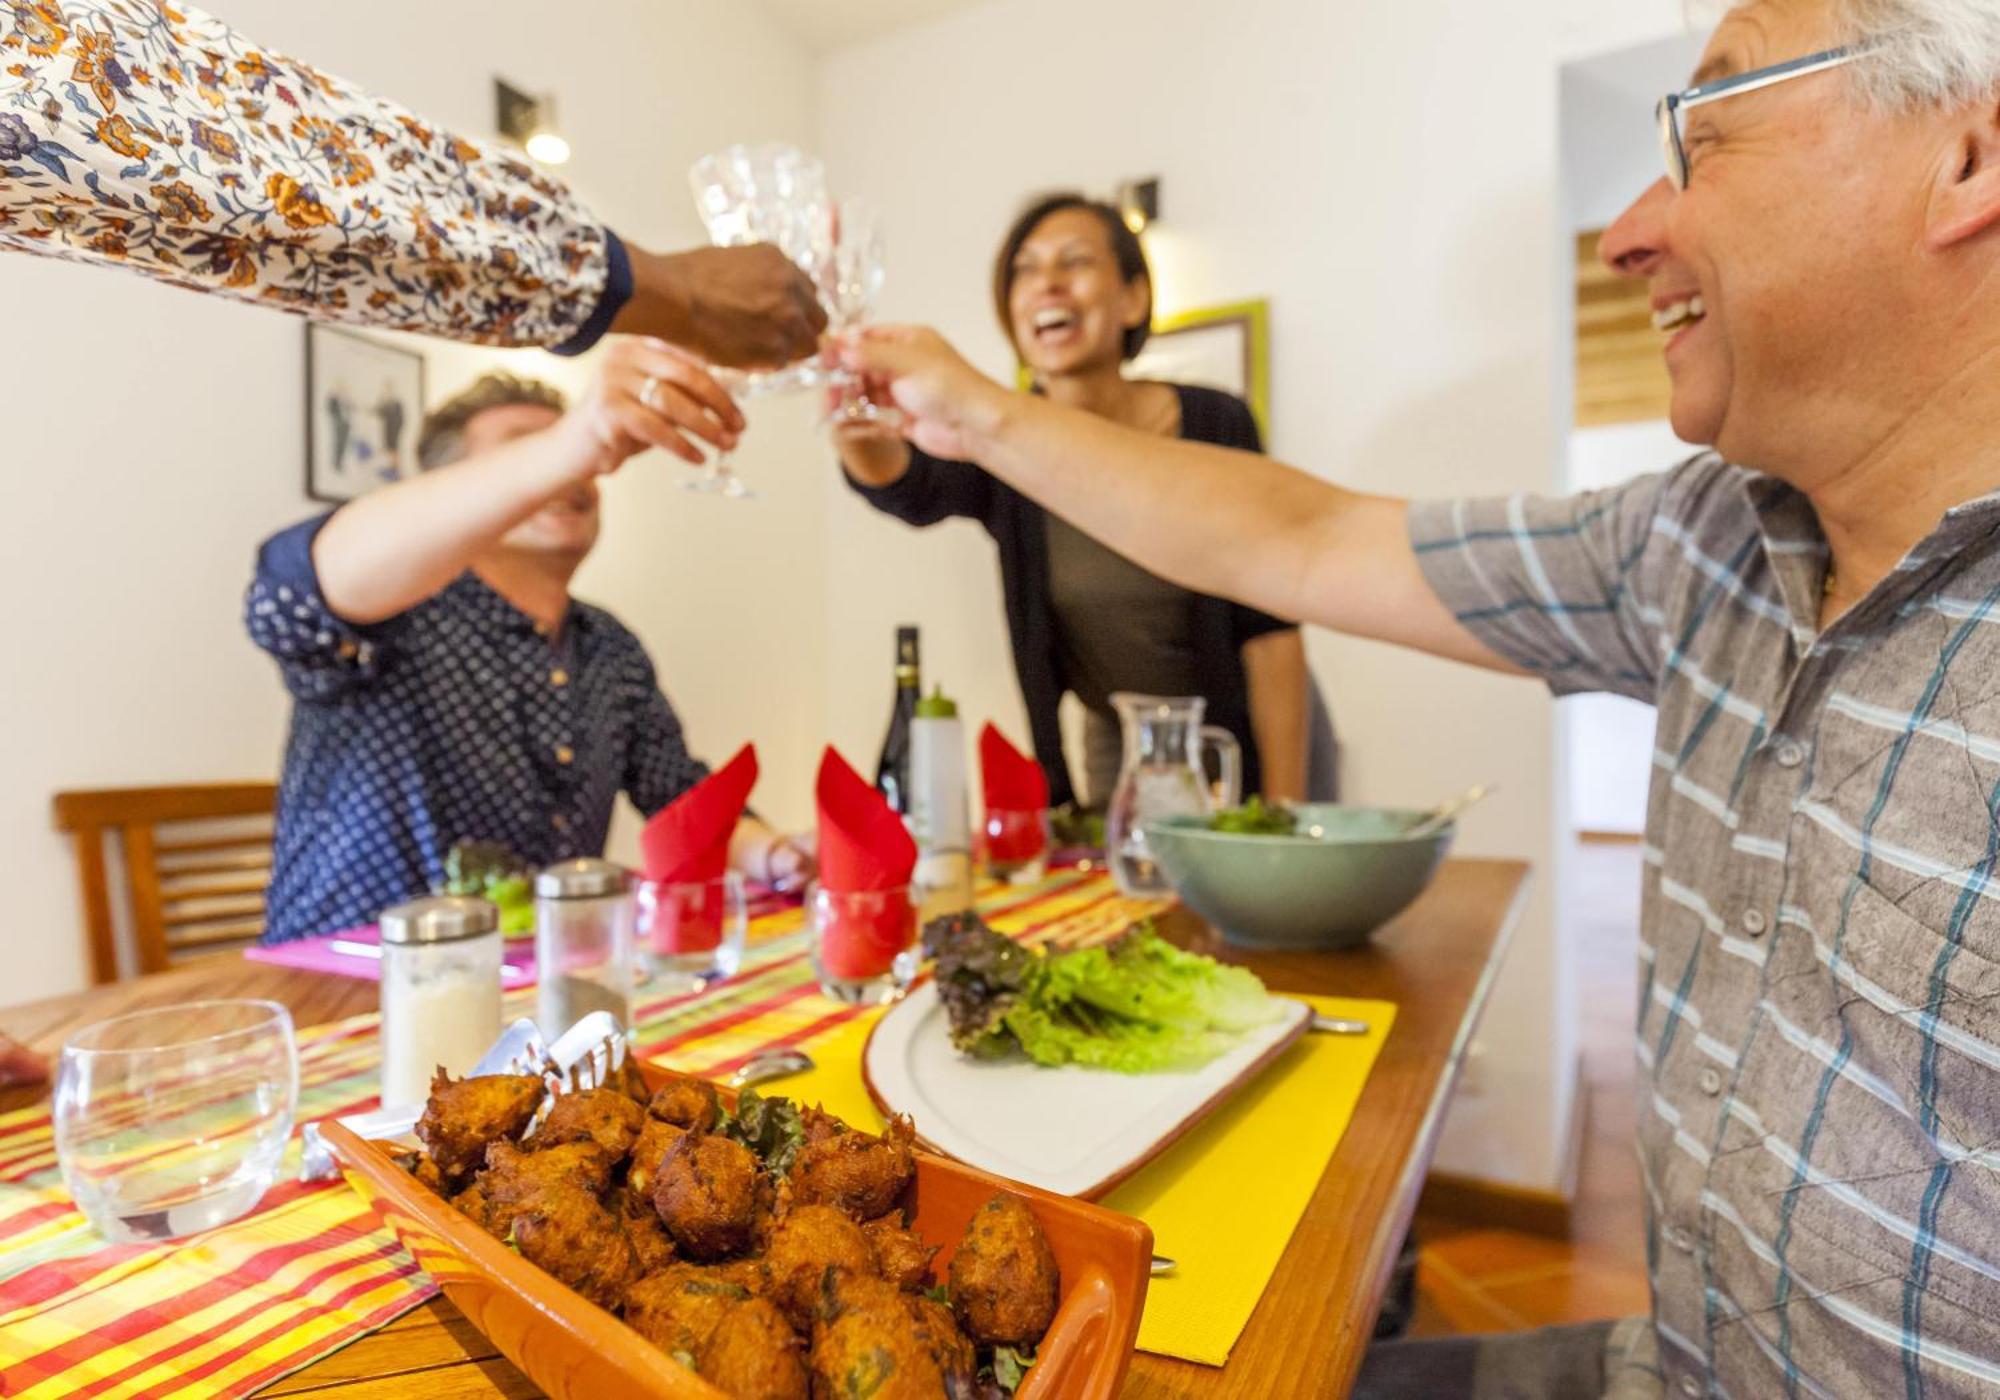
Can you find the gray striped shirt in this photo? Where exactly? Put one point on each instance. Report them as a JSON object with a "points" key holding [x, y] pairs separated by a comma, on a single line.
{"points": [[1819, 1000]]}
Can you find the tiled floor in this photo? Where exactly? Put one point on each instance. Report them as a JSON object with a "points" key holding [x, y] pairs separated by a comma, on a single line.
{"points": [[1490, 1279]]}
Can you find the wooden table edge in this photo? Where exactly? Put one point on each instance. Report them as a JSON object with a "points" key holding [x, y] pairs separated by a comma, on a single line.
{"points": [[1423, 1146]]}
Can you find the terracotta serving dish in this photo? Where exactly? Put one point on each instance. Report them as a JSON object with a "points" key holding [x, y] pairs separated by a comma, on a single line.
{"points": [[575, 1350]]}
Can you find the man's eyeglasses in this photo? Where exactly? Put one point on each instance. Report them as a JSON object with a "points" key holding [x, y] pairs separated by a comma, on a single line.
{"points": [[1674, 103]]}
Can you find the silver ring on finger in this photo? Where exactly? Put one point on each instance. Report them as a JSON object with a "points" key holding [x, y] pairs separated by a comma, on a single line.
{"points": [[648, 394]]}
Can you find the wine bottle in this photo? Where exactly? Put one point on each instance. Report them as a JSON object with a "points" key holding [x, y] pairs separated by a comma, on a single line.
{"points": [[892, 770]]}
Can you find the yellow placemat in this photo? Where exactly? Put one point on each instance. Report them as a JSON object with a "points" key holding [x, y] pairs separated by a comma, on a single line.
{"points": [[1224, 1200]]}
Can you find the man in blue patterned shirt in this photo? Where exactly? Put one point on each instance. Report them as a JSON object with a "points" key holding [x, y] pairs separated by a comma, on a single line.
{"points": [[446, 686], [1814, 610]]}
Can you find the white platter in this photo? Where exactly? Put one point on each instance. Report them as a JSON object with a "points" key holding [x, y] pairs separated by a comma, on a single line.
{"points": [[1075, 1131]]}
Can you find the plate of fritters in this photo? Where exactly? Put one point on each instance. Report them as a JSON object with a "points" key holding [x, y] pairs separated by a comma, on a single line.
{"points": [[659, 1237]]}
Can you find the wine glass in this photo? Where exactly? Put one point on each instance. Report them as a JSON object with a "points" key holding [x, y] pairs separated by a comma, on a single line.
{"points": [[173, 1121], [763, 194], [857, 273]]}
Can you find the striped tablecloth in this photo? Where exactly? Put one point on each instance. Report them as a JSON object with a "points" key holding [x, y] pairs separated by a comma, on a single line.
{"points": [[223, 1313]]}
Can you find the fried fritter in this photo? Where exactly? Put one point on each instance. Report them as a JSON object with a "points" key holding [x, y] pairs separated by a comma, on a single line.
{"points": [[515, 1179], [512, 1174], [861, 1174], [463, 1116], [807, 1242], [654, 1140], [603, 1116], [687, 1102], [567, 1232], [679, 1307], [651, 1244], [748, 1274], [1004, 1283], [900, 1255], [707, 1192], [421, 1166], [472, 1201], [819, 1125], [627, 1080], [937, 1329], [753, 1354], [865, 1344]]}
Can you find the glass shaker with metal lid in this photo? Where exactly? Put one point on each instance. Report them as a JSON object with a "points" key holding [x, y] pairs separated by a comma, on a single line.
{"points": [[583, 943], [440, 991]]}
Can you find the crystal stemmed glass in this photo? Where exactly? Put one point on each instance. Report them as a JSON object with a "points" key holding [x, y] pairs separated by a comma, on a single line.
{"points": [[763, 194], [857, 272]]}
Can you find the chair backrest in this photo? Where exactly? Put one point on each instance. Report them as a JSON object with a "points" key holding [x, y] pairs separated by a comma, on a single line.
{"points": [[196, 861]]}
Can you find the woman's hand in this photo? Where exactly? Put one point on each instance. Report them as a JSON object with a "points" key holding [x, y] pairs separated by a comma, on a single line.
{"points": [[646, 394], [873, 452], [949, 408]]}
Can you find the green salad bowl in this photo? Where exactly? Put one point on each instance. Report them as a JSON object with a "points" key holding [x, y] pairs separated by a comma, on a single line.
{"points": [[1346, 872]]}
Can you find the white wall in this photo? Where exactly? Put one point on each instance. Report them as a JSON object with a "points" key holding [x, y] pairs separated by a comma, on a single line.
{"points": [[1386, 175], [153, 437]]}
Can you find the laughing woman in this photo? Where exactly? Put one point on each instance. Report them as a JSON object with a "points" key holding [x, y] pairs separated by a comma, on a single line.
{"points": [[1073, 293]]}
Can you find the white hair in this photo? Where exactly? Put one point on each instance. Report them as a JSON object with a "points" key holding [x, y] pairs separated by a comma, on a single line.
{"points": [[1921, 53]]}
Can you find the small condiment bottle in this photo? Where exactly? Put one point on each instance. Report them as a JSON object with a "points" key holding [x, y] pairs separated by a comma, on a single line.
{"points": [[938, 816], [440, 991], [584, 956]]}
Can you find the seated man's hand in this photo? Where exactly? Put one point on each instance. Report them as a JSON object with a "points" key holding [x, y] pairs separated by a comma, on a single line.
{"points": [[744, 308], [648, 394], [790, 862], [948, 406]]}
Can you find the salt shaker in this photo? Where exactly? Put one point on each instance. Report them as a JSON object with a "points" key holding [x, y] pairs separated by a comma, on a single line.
{"points": [[440, 991], [584, 956]]}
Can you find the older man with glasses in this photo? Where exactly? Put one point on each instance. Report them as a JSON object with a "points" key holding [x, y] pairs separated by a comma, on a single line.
{"points": [[1814, 608]]}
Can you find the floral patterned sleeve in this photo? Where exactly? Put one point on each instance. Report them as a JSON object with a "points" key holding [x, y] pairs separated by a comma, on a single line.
{"points": [[149, 134]]}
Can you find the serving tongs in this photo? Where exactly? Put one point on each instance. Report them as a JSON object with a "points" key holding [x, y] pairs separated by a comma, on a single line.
{"points": [[583, 1057]]}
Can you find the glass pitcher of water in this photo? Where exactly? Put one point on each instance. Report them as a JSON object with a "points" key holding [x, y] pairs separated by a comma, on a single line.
{"points": [[1163, 775]]}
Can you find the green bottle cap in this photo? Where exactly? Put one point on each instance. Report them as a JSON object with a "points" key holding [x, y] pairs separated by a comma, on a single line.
{"points": [[937, 705]]}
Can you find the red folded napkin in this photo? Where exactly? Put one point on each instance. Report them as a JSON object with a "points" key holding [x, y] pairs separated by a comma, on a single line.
{"points": [[863, 909], [686, 843], [1010, 780], [688, 839]]}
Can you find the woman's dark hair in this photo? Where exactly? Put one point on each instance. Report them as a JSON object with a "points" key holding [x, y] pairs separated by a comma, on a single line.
{"points": [[1125, 248]]}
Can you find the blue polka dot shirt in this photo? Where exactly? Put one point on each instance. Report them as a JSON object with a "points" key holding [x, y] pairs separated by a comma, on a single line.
{"points": [[460, 719]]}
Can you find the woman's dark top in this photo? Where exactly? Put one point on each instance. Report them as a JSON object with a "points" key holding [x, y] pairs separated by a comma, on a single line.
{"points": [[933, 490]]}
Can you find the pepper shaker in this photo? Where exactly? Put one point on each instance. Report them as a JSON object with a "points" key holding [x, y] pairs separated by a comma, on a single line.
{"points": [[440, 991], [584, 955]]}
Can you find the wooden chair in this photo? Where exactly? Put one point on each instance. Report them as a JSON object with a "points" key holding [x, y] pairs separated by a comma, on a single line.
{"points": [[196, 862]]}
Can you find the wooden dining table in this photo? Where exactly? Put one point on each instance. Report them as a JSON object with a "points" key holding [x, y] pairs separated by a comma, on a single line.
{"points": [[1436, 962]]}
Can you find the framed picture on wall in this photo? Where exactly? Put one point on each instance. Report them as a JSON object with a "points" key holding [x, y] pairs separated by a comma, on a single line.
{"points": [[364, 402], [1219, 347]]}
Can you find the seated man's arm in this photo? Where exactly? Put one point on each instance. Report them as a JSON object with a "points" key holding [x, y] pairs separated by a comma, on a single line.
{"points": [[386, 552]]}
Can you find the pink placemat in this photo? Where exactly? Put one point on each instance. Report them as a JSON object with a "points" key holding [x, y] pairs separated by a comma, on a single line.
{"points": [[357, 952]]}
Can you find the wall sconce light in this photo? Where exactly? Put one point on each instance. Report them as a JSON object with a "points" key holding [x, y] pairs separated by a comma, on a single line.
{"points": [[529, 122], [1139, 202]]}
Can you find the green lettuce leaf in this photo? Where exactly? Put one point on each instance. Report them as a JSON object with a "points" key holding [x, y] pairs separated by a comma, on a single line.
{"points": [[1145, 978]]}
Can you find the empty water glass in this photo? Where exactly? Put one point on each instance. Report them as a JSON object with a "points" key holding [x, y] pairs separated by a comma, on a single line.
{"points": [[173, 1121]]}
